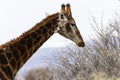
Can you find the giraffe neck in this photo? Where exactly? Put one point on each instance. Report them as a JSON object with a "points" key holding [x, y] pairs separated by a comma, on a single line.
{"points": [[18, 51]]}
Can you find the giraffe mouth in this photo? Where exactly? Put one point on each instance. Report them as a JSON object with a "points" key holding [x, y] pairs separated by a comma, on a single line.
{"points": [[81, 44]]}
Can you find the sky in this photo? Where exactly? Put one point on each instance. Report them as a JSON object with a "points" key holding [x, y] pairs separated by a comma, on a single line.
{"points": [[17, 16]]}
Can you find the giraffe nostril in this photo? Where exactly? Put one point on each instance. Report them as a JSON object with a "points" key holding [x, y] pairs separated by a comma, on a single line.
{"points": [[60, 27]]}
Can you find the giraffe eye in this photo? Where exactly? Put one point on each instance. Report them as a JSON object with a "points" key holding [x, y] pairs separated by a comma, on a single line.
{"points": [[62, 17], [72, 24]]}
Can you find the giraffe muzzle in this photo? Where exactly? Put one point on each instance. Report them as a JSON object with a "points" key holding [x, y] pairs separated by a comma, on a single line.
{"points": [[81, 44]]}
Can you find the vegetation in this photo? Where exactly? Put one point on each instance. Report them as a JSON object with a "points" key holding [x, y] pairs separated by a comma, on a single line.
{"points": [[39, 74]]}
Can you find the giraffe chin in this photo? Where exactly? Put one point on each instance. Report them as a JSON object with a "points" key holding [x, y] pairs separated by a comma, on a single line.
{"points": [[81, 44]]}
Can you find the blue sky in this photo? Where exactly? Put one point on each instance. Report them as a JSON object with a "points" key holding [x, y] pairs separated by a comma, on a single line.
{"points": [[17, 16]]}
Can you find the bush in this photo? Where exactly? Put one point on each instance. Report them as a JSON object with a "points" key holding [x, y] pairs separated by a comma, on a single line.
{"points": [[39, 74]]}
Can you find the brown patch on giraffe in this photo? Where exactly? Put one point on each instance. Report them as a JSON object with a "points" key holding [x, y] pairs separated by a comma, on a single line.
{"points": [[3, 60], [9, 55], [38, 32], [25, 57], [34, 35], [46, 35], [48, 25], [1, 50], [28, 44], [3, 76], [22, 41], [16, 54], [13, 63], [43, 30], [21, 49], [36, 41], [7, 71], [19, 64]]}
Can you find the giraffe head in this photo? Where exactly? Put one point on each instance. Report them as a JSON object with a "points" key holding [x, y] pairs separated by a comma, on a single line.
{"points": [[69, 28]]}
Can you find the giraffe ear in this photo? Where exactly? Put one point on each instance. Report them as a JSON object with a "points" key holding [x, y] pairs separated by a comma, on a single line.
{"points": [[63, 8], [68, 11]]}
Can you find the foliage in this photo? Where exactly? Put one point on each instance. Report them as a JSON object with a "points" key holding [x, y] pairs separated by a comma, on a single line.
{"points": [[39, 74]]}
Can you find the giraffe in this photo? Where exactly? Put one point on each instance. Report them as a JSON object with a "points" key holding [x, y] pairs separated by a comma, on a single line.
{"points": [[15, 53]]}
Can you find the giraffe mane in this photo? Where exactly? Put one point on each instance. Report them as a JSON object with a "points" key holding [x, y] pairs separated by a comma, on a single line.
{"points": [[29, 31]]}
